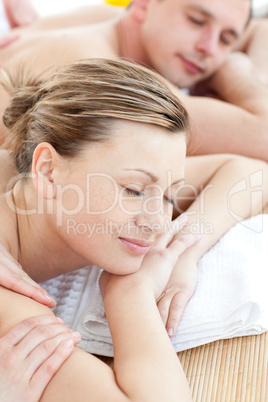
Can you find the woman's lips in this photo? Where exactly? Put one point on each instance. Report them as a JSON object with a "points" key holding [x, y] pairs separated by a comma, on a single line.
{"points": [[191, 67], [135, 245]]}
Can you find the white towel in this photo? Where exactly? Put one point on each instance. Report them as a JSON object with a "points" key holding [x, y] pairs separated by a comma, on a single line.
{"points": [[231, 298]]}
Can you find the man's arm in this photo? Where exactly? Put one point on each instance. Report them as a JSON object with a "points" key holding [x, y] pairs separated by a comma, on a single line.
{"points": [[254, 44], [239, 123]]}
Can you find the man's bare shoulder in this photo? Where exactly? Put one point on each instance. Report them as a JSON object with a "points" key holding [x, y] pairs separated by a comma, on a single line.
{"points": [[58, 47], [85, 15]]}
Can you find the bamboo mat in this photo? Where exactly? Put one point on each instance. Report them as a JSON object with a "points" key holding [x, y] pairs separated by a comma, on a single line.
{"points": [[231, 370]]}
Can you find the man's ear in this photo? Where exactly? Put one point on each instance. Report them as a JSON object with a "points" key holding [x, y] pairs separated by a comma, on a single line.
{"points": [[43, 165], [139, 9]]}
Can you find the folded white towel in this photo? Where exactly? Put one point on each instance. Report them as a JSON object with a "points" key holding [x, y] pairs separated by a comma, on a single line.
{"points": [[231, 298]]}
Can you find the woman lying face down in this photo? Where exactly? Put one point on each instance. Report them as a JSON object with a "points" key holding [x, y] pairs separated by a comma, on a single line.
{"points": [[100, 150]]}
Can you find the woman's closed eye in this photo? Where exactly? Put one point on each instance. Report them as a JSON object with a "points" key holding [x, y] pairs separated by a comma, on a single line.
{"points": [[169, 200], [136, 193]]}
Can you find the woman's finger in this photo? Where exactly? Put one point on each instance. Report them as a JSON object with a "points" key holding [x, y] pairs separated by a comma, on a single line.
{"points": [[171, 229], [43, 334], [16, 334], [30, 354], [163, 307], [182, 243], [49, 367], [13, 277], [45, 349], [176, 310], [18, 281]]}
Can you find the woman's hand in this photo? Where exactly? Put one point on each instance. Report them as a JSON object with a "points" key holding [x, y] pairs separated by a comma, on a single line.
{"points": [[179, 290], [14, 278], [159, 262], [30, 355]]}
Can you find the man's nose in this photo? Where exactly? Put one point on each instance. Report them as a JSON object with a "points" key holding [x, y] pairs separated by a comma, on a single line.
{"points": [[208, 43]]}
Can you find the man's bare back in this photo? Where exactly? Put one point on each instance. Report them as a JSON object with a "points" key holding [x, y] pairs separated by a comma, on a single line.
{"points": [[39, 50]]}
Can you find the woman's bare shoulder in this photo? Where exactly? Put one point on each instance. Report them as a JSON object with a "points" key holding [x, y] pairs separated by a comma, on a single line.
{"points": [[19, 308], [82, 376]]}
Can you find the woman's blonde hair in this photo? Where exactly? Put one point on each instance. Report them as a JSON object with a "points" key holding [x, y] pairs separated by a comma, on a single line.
{"points": [[78, 103]]}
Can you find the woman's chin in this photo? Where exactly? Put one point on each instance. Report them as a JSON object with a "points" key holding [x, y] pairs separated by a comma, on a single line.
{"points": [[123, 269]]}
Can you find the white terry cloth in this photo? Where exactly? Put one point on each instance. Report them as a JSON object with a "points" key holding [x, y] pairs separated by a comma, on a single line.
{"points": [[231, 298]]}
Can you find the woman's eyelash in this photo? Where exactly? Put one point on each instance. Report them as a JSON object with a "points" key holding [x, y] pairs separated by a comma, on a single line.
{"points": [[169, 200], [137, 193], [133, 192]]}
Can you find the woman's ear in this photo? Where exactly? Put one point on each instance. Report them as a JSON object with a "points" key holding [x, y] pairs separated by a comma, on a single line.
{"points": [[139, 9], [43, 164]]}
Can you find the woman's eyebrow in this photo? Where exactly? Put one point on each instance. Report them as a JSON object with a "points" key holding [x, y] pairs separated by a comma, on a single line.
{"points": [[153, 177], [178, 181]]}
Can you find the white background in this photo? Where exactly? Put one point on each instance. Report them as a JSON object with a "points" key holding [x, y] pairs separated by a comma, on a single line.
{"points": [[46, 7]]}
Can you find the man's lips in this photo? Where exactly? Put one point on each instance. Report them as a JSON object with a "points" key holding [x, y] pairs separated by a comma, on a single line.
{"points": [[191, 67], [137, 246]]}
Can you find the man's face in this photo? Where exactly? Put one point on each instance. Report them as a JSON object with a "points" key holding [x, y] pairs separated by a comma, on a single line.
{"points": [[188, 40]]}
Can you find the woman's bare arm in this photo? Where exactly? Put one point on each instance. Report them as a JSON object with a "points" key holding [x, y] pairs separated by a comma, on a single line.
{"points": [[220, 191], [145, 365]]}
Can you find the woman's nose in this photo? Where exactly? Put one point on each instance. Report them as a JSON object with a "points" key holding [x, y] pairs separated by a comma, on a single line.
{"points": [[151, 222]]}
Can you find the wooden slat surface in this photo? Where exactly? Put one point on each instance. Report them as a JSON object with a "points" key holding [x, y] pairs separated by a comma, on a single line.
{"points": [[231, 370]]}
